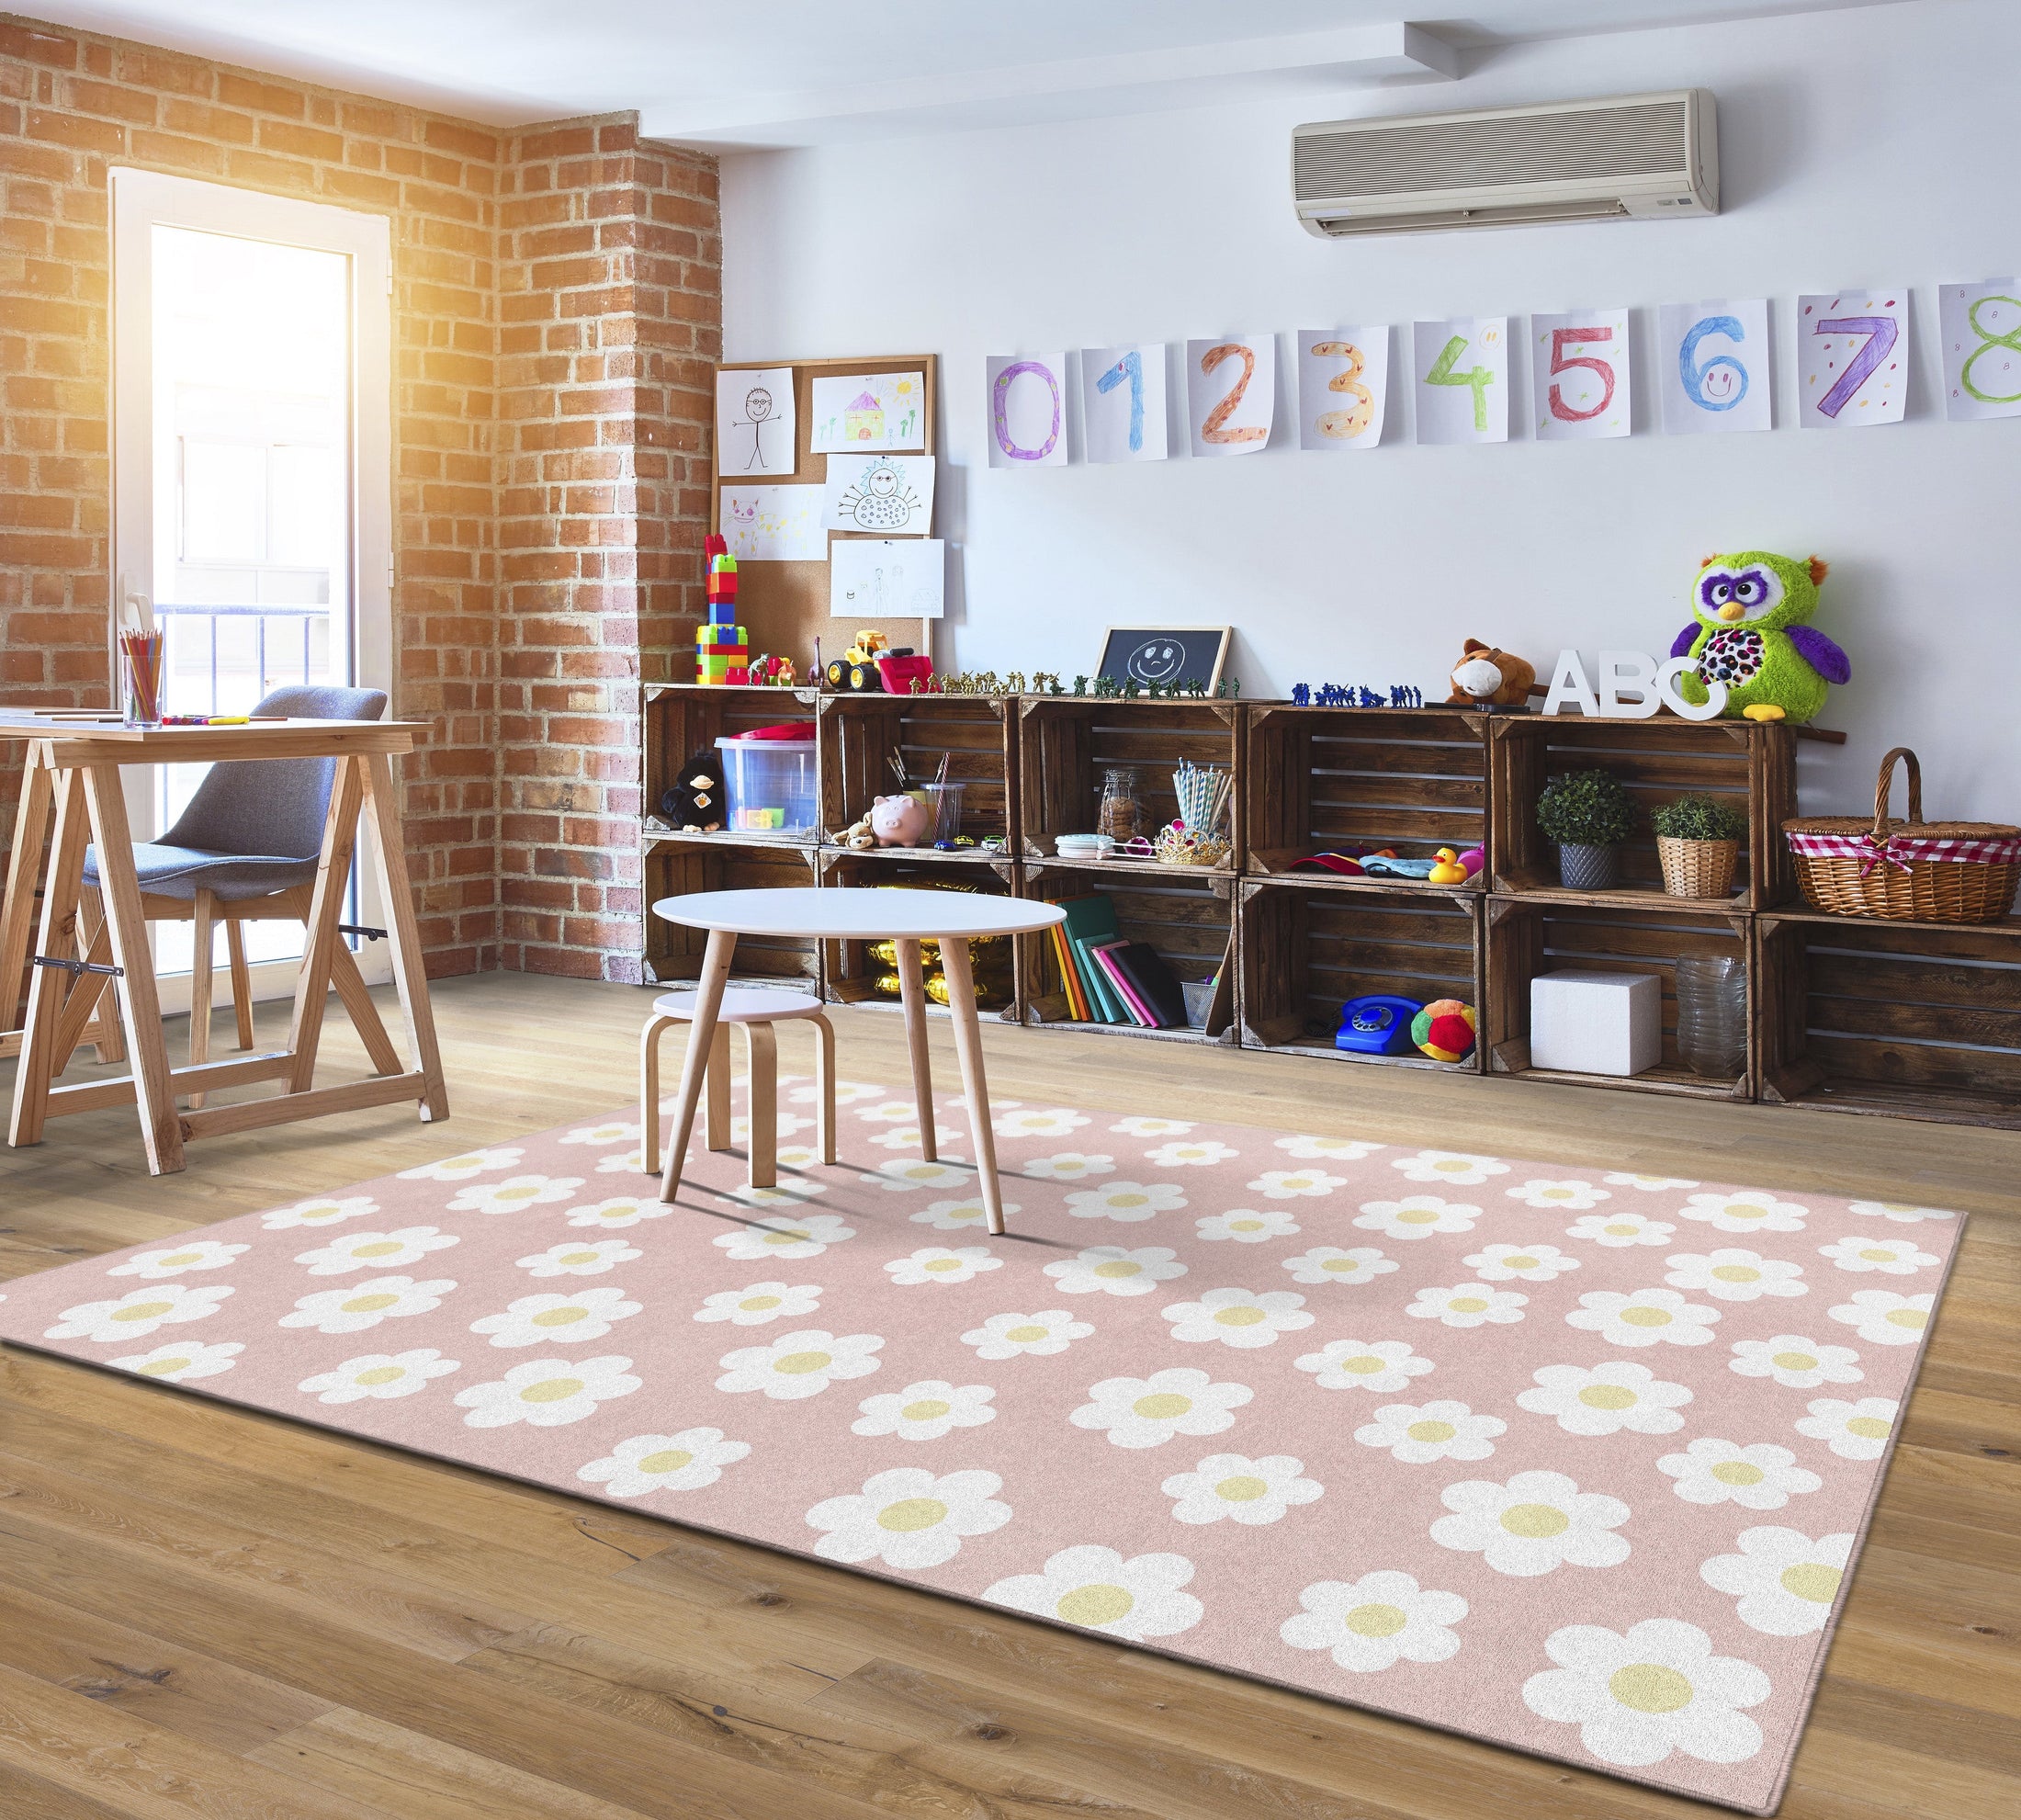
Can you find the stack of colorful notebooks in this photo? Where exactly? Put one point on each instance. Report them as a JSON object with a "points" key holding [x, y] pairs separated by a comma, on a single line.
{"points": [[1109, 978]]}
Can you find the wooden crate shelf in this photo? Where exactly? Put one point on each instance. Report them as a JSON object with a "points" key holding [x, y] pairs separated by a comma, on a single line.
{"points": [[1305, 950], [1748, 764], [1187, 915], [862, 734], [682, 718], [1529, 936], [678, 865], [1314, 778], [850, 971], [1917, 1019]]}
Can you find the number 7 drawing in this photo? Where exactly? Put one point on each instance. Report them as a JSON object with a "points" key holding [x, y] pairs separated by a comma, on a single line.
{"points": [[1478, 378], [1881, 332]]}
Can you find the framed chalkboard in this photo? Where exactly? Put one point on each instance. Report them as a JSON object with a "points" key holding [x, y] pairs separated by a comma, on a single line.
{"points": [[1183, 654]]}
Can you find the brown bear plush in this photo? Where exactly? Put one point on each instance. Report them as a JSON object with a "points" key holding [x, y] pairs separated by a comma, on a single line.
{"points": [[1485, 677]]}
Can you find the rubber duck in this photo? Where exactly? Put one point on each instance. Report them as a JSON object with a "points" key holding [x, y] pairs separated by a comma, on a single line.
{"points": [[1448, 871]]}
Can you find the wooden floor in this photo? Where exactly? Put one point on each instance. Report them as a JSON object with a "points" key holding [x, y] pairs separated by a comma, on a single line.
{"points": [[216, 1615]]}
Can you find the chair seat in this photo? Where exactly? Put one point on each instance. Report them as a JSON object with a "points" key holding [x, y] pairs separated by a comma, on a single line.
{"points": [[179, 872], [742, 1004]]}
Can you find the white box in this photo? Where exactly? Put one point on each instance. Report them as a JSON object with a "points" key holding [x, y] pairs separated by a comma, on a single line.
{"points": [[1590, 1022]]}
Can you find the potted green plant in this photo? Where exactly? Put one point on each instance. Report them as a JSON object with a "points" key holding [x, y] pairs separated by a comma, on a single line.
{"points": [[1697, 839], [1588, 814]]}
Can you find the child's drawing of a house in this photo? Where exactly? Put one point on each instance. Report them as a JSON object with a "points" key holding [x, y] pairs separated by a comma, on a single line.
{"points": [[863, 420]]}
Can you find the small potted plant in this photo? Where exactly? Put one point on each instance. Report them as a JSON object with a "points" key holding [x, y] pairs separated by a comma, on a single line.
{"points": [[1588, 814], [1697, 839]]}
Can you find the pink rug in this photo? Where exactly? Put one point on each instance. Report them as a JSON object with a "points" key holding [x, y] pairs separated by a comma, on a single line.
{"points": [[1570, 1460]]}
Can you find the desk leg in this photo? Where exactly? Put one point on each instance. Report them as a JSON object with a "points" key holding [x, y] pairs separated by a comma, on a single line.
{"points": [[708, 1001], [912, 995], [961, 1000], [46, 995], [18, 906], [383, 830], [161, 1125], [326, 906], [104, 1033]]}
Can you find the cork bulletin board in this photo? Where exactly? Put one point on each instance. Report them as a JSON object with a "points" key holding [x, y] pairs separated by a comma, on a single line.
{"points": [[784, 605]]}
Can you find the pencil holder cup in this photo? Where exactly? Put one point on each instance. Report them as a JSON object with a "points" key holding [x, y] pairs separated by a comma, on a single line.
{"points": [[141, 677]]}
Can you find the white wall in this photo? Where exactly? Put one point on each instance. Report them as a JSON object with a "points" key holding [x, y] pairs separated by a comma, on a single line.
{"points": [[1861, 147]]}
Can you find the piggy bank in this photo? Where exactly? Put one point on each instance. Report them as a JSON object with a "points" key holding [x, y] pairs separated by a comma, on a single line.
{"points": [[900, 821]]}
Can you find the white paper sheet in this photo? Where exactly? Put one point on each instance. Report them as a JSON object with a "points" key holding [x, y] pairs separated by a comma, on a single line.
{"points": [[1712, 367], [1231, 393], [1852, 358], [1460, 369], [1581, 381], [1981, 325], [1123, 402], [1343, 387], [754, 421], [891, 494], [774, 524], [1026, 401], [886, 578], [868, 411]]}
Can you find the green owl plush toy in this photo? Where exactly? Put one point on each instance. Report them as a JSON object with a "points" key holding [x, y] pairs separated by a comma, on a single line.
{"points": [[1749, 630]]}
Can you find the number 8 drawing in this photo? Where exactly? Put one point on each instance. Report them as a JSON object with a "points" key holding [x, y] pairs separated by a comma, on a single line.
{"points": [[1000, 403], [1718, 373], [1988, 341]]}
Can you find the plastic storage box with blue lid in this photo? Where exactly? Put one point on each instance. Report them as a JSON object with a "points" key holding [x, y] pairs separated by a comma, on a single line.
{"points": [[769, 780]]}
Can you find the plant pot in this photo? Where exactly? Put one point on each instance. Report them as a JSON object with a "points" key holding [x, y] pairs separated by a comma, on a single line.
{"points": [[1697, 869], [1584, 868]]}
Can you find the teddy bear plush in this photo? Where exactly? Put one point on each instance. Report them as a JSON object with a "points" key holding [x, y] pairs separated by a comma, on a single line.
{"points": [[1486, 677], [694, 802]]}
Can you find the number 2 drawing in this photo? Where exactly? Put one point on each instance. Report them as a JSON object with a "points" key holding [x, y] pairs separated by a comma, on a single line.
{"points": [[1215, 428]]}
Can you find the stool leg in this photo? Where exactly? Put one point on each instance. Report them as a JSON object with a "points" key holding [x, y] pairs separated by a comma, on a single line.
{"points": [[824, 1083], [762, 1059], [201, 953], [714, 975], [912, 994], [648, 1092], [716, 1102]]}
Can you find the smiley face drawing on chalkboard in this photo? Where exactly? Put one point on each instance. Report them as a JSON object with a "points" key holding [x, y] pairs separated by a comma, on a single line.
{"points": [[1157, 660]]}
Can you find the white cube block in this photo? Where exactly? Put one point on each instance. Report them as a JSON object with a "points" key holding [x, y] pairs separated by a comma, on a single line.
{"points": [[1588, 1023]]}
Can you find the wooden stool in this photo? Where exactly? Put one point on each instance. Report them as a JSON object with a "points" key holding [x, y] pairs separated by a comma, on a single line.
{"points": [[754, 1010]]}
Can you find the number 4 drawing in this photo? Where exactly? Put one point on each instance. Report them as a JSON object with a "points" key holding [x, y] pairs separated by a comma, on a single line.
{"points": [[1479, 377]]}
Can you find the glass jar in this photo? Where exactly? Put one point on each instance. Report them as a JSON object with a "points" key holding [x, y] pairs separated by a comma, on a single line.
{"points": [[1121, 815]]}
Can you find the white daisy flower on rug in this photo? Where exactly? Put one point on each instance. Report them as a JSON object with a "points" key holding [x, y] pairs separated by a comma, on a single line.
{"points": [[799, 1365], [1356, 1365], [1785, 1582], [1295, 1184], [1113, 1271], [1376, 1621], [1015, 1336], [620, 1212], [1637, 1698], [1746, 1210], [1649, 1184], [1097, 1588], [1890, 1257], [893, 1138], [1138, 1126], [1881, 1317], [1238, 1318], [1456, 1169], [139, 1312], [969, 1216], [1416, 1216], [579, 1257], [1617, 1231], [794, 1156], [548, 1392], [902, 1174], [1417, 1433], [379, 1375], [625, 1162], [1761, 1477], [1899, 1210], [514, 1193], [647, 1462], [1243, 1490], [1521, 1263], [1125, 1201], [558, 1320], [784, 1236], [1859, 1430], [940, 1263], [758, 1302], [1607, 1398], [1469, 1304], [1568, 1197], [1037, 1122], [195, 1254], [1795, 1363], [1309, 1148], [1330, 1264], [376, 1251], [1189, 1153], [908, 1518], [470, 1162], [890, 1112], [1536, 1521], [788, 1192], [366, 1303], [323, 1210], [1246, 1226], [612, 1131], [1643, 1317], [1069, 1166], [1147, 1412], [926, 1411], [178, 1363], [1732, 1274]]}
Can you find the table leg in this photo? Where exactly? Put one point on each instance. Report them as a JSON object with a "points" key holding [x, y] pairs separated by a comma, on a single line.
{"points": [[708, 1001], [18, 906], [104, 1033], [46, 994], [912, 995], [761, 1103], [961, 1002], [382, 827], [320, 936]]}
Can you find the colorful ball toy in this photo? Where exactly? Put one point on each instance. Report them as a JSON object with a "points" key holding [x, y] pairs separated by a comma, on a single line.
{"points": [[1444, 1030]]}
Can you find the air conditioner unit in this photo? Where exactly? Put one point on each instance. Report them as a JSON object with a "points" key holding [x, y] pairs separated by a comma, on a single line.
{"points": [[1632, 157]]}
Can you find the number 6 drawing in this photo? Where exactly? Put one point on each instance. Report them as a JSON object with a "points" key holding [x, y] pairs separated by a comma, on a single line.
{"points": [[1213, 428], [999, 404], [1881, 332], [1130, 368], [1722, 382], [1562, 362]]}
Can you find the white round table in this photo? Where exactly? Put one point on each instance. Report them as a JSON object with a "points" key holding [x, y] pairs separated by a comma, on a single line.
{"points": [[861, 914]]}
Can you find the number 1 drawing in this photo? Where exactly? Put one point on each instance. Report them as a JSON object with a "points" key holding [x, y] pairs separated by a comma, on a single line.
{"points": [[1129, 371]]}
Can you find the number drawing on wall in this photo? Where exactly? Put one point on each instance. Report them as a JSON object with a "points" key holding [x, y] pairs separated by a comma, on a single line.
{"points": [[1580, 367], [1712, 365], [1343, 383], [1851, 353], [1231, 393], [1981, 326], [1122, 403], [1461, 367], [1027, 410]]}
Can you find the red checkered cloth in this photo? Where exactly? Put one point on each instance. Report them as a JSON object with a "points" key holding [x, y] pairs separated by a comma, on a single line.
{"points": [[1901, 851]]}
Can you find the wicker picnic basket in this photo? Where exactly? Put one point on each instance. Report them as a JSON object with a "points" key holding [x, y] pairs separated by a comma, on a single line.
{"points": [[1917, 870]]}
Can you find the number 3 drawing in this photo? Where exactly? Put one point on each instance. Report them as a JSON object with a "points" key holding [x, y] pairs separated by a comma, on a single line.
{"points": [[999, 409], [1348, 423], [1215, 428], [1722, 382]]}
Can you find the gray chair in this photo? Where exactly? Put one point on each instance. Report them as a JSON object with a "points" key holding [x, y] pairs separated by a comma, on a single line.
{"points": [[246, 849]]}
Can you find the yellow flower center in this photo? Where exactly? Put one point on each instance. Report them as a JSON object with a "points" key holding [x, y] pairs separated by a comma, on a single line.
{"points": [[1736, 1273], [1163, 1406], [369, 1305], [1238, 1317], [1737, 1472], [1814, 1581], [579, 1257], [561, 1317], [786, 1237], [1375, 1621], [1245, 1225], [1452, 1166], [1794, 1361], [1608, 1396], [1744, 1210], [1030, 1331], [513, 1191], [1620, 1229], [1875, 1255], [1128, 1200], [1535, 1521], [1115, 1267], [758, 1304], [1648, 1687], [308, 1216], [376, 1375], [381, 1248], [156, 1368], [1297, 1181], [1242, 1488], [796, 1365], [1345, 1266], [1431, 1431], [1913, 1318], [181, 1257], [1417, 1216], [912, 1513], [927, 1410], [142, 1311], [1869, 1428], [1640, 1316], [1519, 1263], [552, 1390], [1364, 1363], [943, 1264], [1094, 1605], [1467, 1305]]}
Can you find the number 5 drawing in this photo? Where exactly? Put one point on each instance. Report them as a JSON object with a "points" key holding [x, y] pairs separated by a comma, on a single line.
{"points": [[1722, 382], [1562, 362], [1479, 377], [1881, 332]]}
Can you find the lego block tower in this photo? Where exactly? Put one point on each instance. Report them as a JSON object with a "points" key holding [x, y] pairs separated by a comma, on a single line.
{"points": [[722, 648]]}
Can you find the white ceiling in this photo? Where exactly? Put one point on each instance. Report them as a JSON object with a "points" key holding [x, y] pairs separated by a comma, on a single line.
{"points": [[805, 71]]}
